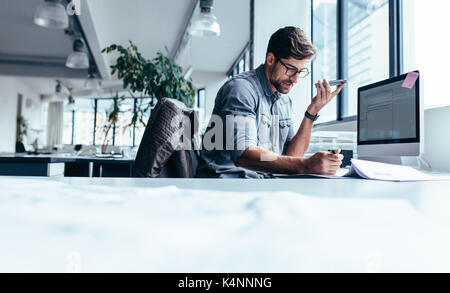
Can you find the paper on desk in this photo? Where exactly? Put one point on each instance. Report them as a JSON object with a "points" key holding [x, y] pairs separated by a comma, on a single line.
{"points": [[388, 172]]}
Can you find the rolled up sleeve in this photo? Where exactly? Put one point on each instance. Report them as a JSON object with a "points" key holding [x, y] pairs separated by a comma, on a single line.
{"points": [[239, 116]]}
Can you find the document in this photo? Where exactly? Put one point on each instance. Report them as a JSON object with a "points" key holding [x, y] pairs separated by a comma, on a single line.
{"points": [[374, 171], [388, 172]]}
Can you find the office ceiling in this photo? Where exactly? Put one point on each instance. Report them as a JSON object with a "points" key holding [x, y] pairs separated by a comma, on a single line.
{"points": [[154, 25], [20, 36], [151, 25], [22, 42], [218, 54]]}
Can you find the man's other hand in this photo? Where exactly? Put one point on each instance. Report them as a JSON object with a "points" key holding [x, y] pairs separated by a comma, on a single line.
{"points": [[324, 96]]}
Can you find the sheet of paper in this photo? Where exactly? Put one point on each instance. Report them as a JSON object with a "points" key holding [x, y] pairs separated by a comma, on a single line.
{"points": [[340, 174], [388, 172], [410, 80]]}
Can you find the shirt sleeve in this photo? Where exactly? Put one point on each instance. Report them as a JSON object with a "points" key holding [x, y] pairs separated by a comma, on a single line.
{"points": [[238, 114]]}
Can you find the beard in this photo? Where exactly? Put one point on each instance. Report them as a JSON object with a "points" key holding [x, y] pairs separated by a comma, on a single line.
{"points": [[281, 85]]}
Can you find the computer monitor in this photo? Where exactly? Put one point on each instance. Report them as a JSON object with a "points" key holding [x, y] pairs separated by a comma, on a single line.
{"points": [[390, 119]]}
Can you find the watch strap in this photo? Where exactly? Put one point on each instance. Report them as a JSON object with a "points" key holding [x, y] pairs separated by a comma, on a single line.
{"points": [[311, 117]]}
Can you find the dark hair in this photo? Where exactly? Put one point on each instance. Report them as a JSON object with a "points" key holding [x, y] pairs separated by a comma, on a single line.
{"points": [[291, 42]]}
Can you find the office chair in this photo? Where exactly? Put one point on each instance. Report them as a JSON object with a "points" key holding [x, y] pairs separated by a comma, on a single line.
{"points": [[20, 147], [161, 153]]}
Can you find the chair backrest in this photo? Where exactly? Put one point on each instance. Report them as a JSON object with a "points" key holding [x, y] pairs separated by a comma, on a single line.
{"points": [[160, 153]]}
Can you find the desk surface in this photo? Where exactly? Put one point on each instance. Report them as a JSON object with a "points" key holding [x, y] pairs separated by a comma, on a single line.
{"points": [[214, 225], [59, 158], [25, 158]]}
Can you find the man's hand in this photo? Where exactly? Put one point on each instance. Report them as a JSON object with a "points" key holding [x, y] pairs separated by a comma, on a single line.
{"points": [[324, 163], [324, 96]]}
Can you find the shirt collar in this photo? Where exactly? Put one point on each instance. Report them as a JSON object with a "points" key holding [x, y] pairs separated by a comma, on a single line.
{"points": [[265, 83]]}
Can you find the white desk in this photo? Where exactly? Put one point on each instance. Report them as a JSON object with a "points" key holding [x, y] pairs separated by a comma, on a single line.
{"points": [[199, 225]]}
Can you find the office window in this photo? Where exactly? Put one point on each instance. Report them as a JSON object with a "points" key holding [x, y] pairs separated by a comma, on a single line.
{"points": [[353, 38], [201, 104], [247, 66], [84, 121], [140, 127], [201, 98], [426, 46], [368, 47], [325, 39], [120, 134], [242, 64], [124, 131], [103, 133], [68, 126]]}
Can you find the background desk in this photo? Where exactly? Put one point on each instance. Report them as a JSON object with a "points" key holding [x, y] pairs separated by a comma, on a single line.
{"points": [[201, 225], [99, 167], [33, 165], [70, 166]]}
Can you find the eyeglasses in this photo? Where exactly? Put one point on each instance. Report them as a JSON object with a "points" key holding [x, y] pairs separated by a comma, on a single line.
{"points": [[291, 71]]}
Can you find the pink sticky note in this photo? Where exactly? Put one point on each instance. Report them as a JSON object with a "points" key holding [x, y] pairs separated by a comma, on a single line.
{"points": [[410, 80]]}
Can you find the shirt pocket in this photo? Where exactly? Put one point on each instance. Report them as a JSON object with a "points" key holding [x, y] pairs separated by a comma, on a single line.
{"points": [[285, 125]]}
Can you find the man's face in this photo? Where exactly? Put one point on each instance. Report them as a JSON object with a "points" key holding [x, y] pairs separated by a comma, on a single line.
{"points": [[278, 73]]}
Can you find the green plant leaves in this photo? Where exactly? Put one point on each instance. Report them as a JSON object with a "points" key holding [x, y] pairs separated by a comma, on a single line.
{"points": [[158, 78]]}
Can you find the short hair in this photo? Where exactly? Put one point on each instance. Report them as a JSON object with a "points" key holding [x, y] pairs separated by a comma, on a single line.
{"points": [[291, 42]]}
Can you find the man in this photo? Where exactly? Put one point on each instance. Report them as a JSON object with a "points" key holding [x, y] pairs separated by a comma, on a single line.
{"points": [[260, 96]]}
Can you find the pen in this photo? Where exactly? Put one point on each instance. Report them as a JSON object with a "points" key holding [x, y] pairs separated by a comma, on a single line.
{"points": [[332, 151]]}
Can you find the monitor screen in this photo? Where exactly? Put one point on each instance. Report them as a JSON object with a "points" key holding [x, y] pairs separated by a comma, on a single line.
{"points": [[388, 113]]}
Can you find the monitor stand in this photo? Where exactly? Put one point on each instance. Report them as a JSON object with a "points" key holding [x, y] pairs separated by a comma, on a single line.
{"points": [[385, 160], [401, 161]]}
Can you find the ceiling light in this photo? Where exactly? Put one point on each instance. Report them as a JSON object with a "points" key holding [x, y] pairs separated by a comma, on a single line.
{"points": [[78, 59], [70, 106], [205, 23], [92, 83], [58, 95], [51, 14]]}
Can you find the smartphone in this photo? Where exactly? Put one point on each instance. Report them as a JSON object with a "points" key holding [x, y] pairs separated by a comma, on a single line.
{"points": [[337, 82]]}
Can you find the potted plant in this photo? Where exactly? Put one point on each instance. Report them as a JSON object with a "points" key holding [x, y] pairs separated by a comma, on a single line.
{"points": [[157, 78], [22, 128], [113, 117], [22, 131]]}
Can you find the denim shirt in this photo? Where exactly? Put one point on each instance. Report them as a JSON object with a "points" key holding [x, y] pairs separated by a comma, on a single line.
{"points": [[249, 95]]}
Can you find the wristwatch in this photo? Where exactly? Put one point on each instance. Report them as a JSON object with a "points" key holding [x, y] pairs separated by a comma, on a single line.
{"points": [[312, 117]]}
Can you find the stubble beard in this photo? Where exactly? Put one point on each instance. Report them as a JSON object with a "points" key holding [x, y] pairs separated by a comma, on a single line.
{"points": [[277, 84]]}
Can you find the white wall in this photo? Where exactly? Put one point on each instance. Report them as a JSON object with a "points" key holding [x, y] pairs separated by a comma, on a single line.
{"points": [[437, 140], [212, 82], [10, 88], [269, 17]]}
